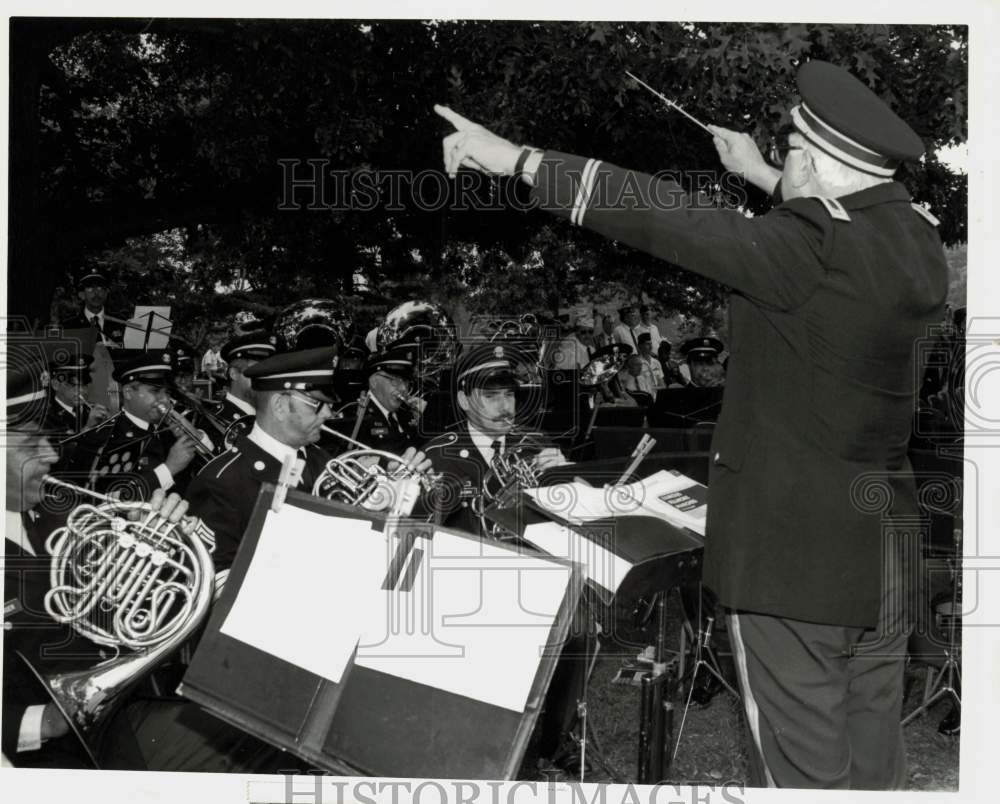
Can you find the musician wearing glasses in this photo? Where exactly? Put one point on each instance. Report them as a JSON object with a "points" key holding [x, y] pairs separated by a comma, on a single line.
{"points": [[464, 456], [128, 452], [387, 416], [294, 397], [93, 292], [830, 292], [69, 410], [35, 734]]}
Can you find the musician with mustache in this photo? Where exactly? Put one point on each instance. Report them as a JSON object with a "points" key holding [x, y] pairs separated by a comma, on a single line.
{"points": [[485, 394]]}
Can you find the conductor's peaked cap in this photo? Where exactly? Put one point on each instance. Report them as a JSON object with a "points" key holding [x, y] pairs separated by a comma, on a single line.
{"points": [[842, 117]]}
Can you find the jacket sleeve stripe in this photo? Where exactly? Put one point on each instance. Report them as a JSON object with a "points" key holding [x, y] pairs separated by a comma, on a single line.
{"points": [[585, 191]]}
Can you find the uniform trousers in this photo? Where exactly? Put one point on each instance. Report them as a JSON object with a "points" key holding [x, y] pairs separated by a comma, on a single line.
{"points": [[823, 702]]}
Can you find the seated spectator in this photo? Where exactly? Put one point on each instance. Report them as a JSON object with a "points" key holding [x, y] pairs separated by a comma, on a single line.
{"points": [[606, 336], [626, 331], [637, 380], [651, 363]]}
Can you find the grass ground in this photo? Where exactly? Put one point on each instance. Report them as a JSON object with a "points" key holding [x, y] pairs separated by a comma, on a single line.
{"points": [[711, 749]]}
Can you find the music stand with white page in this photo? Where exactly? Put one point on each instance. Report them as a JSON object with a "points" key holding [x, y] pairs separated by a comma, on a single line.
{"points": [[149, 328], [380, 648]]}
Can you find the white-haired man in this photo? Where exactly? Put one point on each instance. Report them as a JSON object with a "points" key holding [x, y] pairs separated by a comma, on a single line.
{"points": [[830, 290]]}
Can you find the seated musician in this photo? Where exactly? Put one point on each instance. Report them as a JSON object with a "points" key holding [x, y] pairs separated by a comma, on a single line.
{"points": [[35, 734], [239, 354], [127, 452], [387, 416], [464, 455], [69, 410], [294, 398]]}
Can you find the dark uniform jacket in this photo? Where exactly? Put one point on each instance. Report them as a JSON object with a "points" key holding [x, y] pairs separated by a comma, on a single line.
{"points": [[828, 301], [112, 331], [58, 419], [228, 411], [49, 647], [457, 498], [120, 456], [225, 491], [378, 431]]}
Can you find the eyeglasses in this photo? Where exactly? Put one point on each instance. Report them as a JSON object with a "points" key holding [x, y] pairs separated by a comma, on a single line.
{"points": [[777, 153], [316, 405]]}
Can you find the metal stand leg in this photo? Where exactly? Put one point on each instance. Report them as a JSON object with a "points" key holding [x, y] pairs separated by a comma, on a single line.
{"points": [[584, 735], [704, 657]]}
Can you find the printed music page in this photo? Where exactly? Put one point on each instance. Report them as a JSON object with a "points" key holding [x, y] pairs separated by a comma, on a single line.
{"points": [[309, 575], [463, 616], [677, 498], [601, 565]]}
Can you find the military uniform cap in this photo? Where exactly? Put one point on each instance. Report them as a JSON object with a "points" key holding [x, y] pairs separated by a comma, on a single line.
{"points": [[69, 363], [302, 370], [613, 350], [702, 347], [154, 367], [489, 365], [842, 117], [29, 360], [399, 361], [93, 278], [251, 346]]}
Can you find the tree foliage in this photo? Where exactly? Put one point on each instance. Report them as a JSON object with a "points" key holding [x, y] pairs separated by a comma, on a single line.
{"points": [[125, 129]]}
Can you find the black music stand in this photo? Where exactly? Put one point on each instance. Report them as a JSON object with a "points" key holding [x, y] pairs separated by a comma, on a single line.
{"points": [[370, 722], [704, 658], [662, 557]]}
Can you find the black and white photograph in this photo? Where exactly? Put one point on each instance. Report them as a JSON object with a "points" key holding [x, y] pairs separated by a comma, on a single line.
{"points": [[540, 403]]}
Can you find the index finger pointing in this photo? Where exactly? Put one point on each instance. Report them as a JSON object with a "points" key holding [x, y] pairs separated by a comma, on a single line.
{"points": [[454, 118]]}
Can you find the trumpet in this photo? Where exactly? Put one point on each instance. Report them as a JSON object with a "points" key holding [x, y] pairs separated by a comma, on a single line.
{"points": [[144, 584], [199, 407], [202, 443]]}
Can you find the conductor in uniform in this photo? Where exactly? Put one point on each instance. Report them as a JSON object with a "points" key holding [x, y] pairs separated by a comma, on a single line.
{"points": [[830, 291]]}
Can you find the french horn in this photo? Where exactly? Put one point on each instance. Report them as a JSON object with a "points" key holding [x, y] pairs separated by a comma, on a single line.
{"points": [[125, 577], [357, 478]]}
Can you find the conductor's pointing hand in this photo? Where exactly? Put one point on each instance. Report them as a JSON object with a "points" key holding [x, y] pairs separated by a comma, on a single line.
{"points": [[473, 146]]}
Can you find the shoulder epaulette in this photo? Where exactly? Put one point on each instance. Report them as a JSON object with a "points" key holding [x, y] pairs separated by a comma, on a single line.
{"points": [[835, 208], [925, 214]]}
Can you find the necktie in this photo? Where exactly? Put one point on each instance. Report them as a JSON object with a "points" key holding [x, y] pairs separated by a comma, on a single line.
{"points": [[635, 343], [497, 448], [305, 481]]}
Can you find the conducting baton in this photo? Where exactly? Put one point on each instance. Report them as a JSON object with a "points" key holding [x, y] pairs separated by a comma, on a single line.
{"points": [[669, 102]]}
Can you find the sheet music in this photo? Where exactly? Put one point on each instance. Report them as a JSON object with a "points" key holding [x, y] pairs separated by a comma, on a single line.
{"points": [[312, 581], [156, 320], [602, 566], [668, 495], [464, 616]]}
